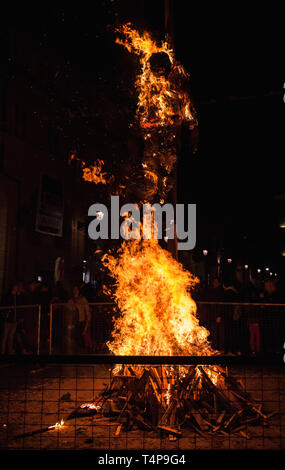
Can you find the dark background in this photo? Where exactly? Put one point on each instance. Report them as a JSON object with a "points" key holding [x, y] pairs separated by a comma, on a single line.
{"points": [[234, 58]]}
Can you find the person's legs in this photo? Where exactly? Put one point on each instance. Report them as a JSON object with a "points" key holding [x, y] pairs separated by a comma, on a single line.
{"points": [[4, 337], [10, 340], [252, 337], [257, 337], [79, 337]]}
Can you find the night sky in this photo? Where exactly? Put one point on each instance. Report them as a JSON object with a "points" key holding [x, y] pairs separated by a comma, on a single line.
{"points": [[234, 57]]}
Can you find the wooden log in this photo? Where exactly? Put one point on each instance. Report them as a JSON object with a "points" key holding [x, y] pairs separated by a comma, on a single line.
{"points": [[251, 405], [244, 434], [221, 417], [232, 418], [220, 395], [170, 430], [118, 430], [168, 411], [158, 395], [246, 422], [194, 424], [165, 381], [155, 377], [143, 423]]}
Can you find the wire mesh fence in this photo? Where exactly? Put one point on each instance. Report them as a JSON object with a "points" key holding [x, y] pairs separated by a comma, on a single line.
{"points": [[65, 332], [237, 328], [244, 328], [96, 402]]}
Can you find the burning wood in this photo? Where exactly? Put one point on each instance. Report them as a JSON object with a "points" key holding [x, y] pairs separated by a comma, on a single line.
{"points": [[152, 290], [195, 402]]}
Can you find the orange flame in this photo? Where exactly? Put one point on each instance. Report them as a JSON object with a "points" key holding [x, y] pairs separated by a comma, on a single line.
{"points": [[57, 425], [159, 101], [152, 290], [94, 173], [158, 314]]}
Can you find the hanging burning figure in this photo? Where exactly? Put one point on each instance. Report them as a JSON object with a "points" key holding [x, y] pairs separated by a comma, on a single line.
{"points": [[158, 315], [163, 106]]}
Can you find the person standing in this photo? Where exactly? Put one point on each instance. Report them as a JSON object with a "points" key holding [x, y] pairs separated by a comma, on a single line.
{"points": [[216, 319], [234, 321], [79, 322], [272, 328], [10, 320]]}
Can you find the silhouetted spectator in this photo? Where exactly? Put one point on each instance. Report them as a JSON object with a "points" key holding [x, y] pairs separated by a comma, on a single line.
{"points": [[59, 294], [88, 291], [9, 320], [81, 318], [216, 320], [253, 334], [272, 333], [44, 295], [234, 321]]}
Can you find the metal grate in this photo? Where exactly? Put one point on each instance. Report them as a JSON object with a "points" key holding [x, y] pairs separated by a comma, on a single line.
{"points": [[37, 395]]}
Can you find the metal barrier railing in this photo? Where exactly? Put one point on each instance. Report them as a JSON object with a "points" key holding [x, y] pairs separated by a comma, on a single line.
{"points": [[101, 324], [236, 327], [243, 327]]}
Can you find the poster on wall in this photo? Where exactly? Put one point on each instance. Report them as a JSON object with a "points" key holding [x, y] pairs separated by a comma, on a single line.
{"points": [[49, 219]]}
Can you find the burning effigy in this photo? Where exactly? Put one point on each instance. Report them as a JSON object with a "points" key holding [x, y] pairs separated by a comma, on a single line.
{"points": [[163, 105]]}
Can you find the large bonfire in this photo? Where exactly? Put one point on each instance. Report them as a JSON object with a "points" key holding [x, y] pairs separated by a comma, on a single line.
{"points": [[158, 316], [152, 290]]}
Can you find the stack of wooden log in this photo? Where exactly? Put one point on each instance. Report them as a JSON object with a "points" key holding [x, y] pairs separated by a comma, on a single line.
{"points": [[170, 398], [166, 399]]}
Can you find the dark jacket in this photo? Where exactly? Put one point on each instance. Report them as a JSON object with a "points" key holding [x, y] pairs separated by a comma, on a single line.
{"points": [[10, 315]]}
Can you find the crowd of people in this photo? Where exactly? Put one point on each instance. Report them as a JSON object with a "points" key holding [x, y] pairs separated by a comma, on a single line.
{"points": [[243, 319], [238, 318], [19, 321]]}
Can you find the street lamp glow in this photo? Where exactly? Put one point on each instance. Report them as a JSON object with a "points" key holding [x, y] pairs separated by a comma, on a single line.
{"points": [[205, 252], [246, 266], [266, 269], [259, 270], [99, 215]]}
